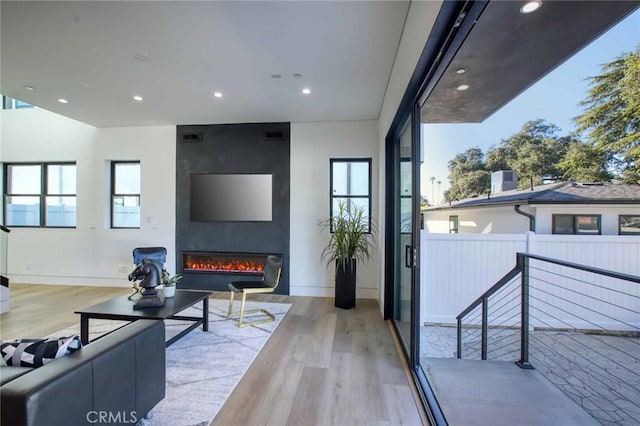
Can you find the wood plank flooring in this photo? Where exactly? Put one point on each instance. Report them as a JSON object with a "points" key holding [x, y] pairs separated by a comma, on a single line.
{"points": [[322, 366]]}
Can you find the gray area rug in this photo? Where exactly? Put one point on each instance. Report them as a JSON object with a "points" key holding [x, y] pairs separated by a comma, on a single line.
{"points": [[203, 368]]}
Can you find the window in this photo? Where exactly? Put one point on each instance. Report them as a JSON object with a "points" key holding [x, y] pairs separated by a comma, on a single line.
{"points": [[453, 224], [571, 224], [125, 194], [40, 194], [11, 103], [628, 224], [351, 185]]}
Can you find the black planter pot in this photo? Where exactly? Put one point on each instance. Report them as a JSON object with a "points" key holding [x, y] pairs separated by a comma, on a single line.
{"points": [[346, 285]]}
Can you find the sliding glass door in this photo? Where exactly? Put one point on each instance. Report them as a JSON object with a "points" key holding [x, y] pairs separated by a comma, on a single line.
{"points": [[404, 247]]}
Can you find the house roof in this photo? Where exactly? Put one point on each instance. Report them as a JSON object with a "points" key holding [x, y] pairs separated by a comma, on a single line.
{"points": [[554, 193]]}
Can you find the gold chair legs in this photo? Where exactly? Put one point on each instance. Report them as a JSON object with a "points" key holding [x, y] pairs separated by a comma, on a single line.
{"points": [[241, 314]]}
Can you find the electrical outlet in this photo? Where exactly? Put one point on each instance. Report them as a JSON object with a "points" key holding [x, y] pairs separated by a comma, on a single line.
{"points": [[122, 269]]}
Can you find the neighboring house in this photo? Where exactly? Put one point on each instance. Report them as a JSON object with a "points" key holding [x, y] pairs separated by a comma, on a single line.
{"points": [[557, 208]]}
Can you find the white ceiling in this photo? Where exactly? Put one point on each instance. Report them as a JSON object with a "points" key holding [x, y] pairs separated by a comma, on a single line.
{"points": [[84, 52]]}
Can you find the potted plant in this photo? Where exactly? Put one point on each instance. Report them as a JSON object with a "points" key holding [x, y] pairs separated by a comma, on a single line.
{"points": [[350, 243], [169, 283]]}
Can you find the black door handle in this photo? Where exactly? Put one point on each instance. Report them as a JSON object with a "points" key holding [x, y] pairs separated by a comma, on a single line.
{"points": [[408, 257]]}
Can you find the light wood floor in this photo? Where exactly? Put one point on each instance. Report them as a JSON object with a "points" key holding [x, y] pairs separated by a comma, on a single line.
{"points": [[322, 366]]}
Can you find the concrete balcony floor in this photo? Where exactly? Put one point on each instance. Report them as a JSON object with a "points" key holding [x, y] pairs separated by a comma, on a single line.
{"points": [[576, 375]]}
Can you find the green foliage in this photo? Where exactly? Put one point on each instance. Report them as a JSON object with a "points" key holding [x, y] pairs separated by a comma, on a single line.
{"points": [[533, 152], [169, 280], [350, 238], [467, 175], [612, 114], [585, 163]]}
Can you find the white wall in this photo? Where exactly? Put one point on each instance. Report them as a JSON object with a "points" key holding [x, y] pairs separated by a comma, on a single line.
{"points": [[92, 253], [312, 145], [609, 219], [494, 220], [420, 19]]}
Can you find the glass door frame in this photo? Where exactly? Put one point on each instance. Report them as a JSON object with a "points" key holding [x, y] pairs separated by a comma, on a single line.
{"points": [[454, 22]]}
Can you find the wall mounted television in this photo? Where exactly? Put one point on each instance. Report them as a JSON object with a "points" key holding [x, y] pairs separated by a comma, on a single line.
{"points": [[231, 197]]}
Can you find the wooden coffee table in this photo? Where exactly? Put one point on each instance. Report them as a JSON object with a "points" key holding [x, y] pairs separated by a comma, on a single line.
{"points": [[121, 309]]}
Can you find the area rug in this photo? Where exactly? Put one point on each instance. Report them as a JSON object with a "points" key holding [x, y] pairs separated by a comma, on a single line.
{"points": [[203, 368]]}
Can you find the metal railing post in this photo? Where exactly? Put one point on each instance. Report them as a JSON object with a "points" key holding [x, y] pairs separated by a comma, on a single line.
{"points": [[459, 348], [485, 325], [523, 362]]}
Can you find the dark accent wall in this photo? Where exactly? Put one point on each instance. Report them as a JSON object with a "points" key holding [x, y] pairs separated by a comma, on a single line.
{"points": [[232, 148]]}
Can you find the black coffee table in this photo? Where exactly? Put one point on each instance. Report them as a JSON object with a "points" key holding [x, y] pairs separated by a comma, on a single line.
{"points": [[121, 308]]}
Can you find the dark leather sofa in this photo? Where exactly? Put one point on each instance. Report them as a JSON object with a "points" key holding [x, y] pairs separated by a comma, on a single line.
{"points": [[116, 379]]}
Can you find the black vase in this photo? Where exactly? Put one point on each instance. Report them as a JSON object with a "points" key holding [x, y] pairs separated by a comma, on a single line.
{"points": [[346, 285]]}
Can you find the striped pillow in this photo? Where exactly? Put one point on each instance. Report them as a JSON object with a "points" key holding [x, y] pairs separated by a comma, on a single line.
{"points": [[37, 352]]}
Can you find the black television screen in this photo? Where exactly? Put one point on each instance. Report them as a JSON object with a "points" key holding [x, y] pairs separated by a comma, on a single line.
{"points": [[231, 197]]}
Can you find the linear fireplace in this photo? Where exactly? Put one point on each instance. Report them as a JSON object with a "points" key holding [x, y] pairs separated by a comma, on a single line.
{"points": [[223, 263]]}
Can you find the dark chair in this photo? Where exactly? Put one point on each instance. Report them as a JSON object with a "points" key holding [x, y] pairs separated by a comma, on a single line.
{"points": [[156, 254], [269, 282]]}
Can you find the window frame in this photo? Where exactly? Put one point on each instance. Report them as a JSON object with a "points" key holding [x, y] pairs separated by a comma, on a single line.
{"points": [[42, 196], [574, 221], [620, 231], [113, 194], [332, 196], [456, 229]]}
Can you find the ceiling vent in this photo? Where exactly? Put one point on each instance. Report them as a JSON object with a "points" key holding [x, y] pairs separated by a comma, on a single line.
{"points": [[273, 136], [191, 137]]}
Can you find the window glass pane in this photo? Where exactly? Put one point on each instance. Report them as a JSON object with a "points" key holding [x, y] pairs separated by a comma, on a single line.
{"points": [[358, 178], [61, 179], [61, 211], [339, 178], [126, 212], [405, 179], [453, 224], [629, 224], [22, 104], [563, 224], [23, 211], [23, 179], [127, 178], [405, 219], [350, 178], [588, 224]]}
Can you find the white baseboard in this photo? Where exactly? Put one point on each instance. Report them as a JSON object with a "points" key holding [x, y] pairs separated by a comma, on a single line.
{"points": [[79, 281]]}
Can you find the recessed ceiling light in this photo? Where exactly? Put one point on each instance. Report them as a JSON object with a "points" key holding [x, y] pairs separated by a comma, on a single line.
{"points": [[137, 98], [462, 87], [461, 71], [30, 88], [142, 57], [217, 94], [63, 101], [531, 6], [296, 75], [306, 91], [276, 75]]}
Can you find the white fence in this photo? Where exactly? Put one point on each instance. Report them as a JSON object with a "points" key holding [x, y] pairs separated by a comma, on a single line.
{"points": [[457, 268]]}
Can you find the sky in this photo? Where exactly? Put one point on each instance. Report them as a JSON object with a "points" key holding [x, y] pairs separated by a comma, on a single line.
{"points": [[554, 98]]}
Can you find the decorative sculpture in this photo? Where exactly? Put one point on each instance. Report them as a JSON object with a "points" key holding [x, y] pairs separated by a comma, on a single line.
{"points": [[150, 273]]}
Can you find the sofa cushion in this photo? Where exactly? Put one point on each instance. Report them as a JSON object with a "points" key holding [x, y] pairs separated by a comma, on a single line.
{"points": [[37, 352], [7, 374]]}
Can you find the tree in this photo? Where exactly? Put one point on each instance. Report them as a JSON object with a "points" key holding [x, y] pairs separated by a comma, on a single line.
{"points": [[533, 152], [612, 114], [585, 163], [467, 175]]}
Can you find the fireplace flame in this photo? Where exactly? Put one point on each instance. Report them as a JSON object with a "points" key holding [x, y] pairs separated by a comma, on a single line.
{"points": [[205, 264]]}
